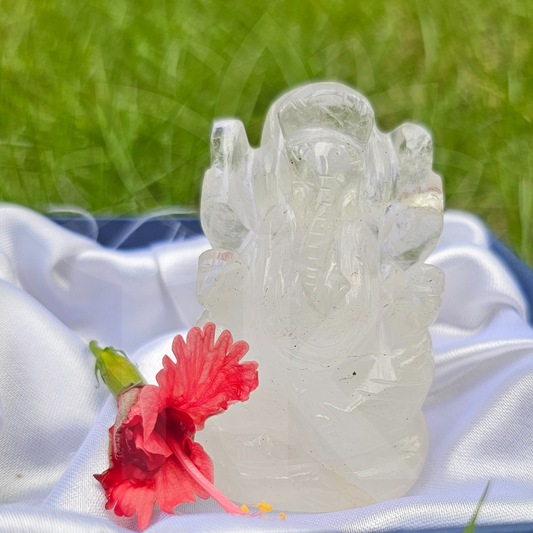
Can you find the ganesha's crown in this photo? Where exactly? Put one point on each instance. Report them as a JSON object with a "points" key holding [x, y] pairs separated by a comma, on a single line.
{"points": [[319, 241]]}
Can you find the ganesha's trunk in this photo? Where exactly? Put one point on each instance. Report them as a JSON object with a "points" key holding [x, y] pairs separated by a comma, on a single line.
{"points": [[317, 265]]}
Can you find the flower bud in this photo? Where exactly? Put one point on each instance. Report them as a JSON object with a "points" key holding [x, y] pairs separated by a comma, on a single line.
{"points": [[116, 370]]}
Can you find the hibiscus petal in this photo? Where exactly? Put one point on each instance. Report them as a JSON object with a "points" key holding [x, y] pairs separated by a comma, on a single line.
{"points": [[175, 486], [149, 405], [130, 490], [202, 461], [207, 376], [134, 498]]}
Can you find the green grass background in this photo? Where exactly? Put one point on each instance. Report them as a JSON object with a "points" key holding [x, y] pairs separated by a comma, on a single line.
{"points": [[108, 105]]}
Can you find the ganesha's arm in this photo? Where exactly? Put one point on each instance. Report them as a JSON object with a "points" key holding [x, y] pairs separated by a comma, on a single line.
{"points": [[229, 211], [413, 221]]}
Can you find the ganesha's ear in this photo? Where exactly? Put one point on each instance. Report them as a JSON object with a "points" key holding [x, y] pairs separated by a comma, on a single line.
{"points": [[228, 205], [413, 221]]}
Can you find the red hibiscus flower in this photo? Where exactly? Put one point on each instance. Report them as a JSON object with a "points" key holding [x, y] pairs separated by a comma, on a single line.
{"points": [[153, 456]]}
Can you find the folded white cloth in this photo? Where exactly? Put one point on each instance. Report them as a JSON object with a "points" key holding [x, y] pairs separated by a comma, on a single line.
{"points": [[58, 290]]}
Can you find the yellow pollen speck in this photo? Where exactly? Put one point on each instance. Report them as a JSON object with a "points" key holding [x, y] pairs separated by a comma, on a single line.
{"points": [[282, 516], [244, 508], [264, 507]]}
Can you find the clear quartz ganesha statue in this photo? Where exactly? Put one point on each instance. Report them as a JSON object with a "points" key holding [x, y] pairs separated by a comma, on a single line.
{"points": [[319, 240]]}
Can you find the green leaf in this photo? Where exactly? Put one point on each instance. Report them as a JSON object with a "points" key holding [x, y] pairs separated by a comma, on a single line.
{"points": [[472, 524]]}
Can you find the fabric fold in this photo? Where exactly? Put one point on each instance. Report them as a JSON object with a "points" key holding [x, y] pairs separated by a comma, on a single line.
{"points": [[58, 290]]}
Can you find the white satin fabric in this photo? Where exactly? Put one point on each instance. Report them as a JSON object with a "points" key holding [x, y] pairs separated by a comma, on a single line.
{"points": [[59, 290]]}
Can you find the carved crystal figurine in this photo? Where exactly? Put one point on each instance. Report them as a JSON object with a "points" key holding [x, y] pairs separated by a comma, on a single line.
{"points": [[319, 240]]}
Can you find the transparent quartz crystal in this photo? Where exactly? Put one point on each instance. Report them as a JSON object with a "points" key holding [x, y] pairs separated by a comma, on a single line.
{"points": [[319, 240]]}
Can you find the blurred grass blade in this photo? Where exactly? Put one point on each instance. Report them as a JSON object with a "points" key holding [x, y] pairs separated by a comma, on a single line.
{"points": [[525, 208], [110, 105], [472, 524]]}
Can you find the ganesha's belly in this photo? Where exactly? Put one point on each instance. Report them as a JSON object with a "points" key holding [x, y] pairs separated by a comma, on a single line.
{"points": [[316, 448]]}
